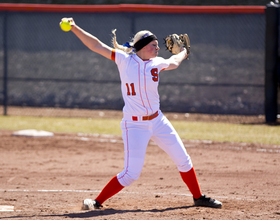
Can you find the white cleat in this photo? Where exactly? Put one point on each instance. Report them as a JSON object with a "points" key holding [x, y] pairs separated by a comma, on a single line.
{"points": [[89, 204]]}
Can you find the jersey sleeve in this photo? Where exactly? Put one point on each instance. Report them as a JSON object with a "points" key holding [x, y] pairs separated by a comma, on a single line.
{"points": [[118, 56], [162, 63]]}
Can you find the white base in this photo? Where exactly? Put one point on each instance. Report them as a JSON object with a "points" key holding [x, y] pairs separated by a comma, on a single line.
{"points": [[33, 133], [6, 208]]}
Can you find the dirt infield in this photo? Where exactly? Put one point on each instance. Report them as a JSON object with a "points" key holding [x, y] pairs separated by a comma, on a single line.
{"points": [[48, 177]]}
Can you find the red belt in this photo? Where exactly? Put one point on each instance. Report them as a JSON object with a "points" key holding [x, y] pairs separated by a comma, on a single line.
{"points": [[146, 118]]}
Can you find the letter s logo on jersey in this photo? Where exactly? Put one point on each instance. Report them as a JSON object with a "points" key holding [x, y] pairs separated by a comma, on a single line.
{"points": [[154, 73]]}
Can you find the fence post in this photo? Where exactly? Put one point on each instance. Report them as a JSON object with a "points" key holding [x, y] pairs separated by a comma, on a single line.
{"points": [[5, 64], [271, 58]]}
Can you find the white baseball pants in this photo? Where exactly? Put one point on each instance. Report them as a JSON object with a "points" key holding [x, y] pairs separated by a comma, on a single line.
{"points": [[136, 136]]}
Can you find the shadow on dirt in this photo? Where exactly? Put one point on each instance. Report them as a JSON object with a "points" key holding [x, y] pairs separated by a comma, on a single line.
{"points": [[95, 213]]}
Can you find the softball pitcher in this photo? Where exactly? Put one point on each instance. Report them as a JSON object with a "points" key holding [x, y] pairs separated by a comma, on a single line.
{"points": [[139, 68]]}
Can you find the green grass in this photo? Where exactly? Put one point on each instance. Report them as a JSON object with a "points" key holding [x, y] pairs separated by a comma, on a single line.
{"points": [[54, 124], [187, 130], [229, 132]]}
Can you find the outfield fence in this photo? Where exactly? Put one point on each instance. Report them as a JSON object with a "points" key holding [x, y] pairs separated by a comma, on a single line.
{"points": [[46, 67]]}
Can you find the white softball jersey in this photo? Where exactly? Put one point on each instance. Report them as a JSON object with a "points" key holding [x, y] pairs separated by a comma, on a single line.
{"points": [[139, 82]]}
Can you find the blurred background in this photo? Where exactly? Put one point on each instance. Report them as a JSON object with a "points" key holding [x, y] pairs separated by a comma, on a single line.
{"points": [[47, 67]]}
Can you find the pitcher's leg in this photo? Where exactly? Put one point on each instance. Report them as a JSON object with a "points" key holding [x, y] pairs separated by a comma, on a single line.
{"points": [[112, 188], [168, 139], [136, 136], [191, 181]]}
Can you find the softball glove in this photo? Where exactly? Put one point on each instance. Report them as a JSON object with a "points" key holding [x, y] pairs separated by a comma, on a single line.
{"points": [[175, 42]]}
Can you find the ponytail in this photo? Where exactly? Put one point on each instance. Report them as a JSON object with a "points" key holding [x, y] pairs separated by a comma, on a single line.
{"points": [[118, 46], [129, 46]]}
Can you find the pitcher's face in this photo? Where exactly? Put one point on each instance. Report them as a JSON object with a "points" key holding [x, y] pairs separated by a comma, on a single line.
{"points": [[151, 49]]}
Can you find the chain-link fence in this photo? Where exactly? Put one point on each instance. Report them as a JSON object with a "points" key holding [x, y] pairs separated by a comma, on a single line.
{"points": [[47, 67]]}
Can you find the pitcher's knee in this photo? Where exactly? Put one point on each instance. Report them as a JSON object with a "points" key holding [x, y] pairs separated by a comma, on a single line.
{"points": [[127, 179], [185, 166]]}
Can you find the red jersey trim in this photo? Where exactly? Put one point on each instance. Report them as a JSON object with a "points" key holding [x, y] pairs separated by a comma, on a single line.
{"points": [[113, 55]]}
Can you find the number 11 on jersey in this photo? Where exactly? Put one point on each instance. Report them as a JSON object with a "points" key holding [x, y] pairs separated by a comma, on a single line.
{"points": [[132, 89]]}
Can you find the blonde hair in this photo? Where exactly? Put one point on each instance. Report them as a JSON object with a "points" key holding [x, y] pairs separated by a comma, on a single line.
{"points": [[136, 38]]}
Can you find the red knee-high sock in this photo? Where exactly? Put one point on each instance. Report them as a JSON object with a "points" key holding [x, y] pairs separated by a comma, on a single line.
{"points": [[112, 188], [190, 179]]}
